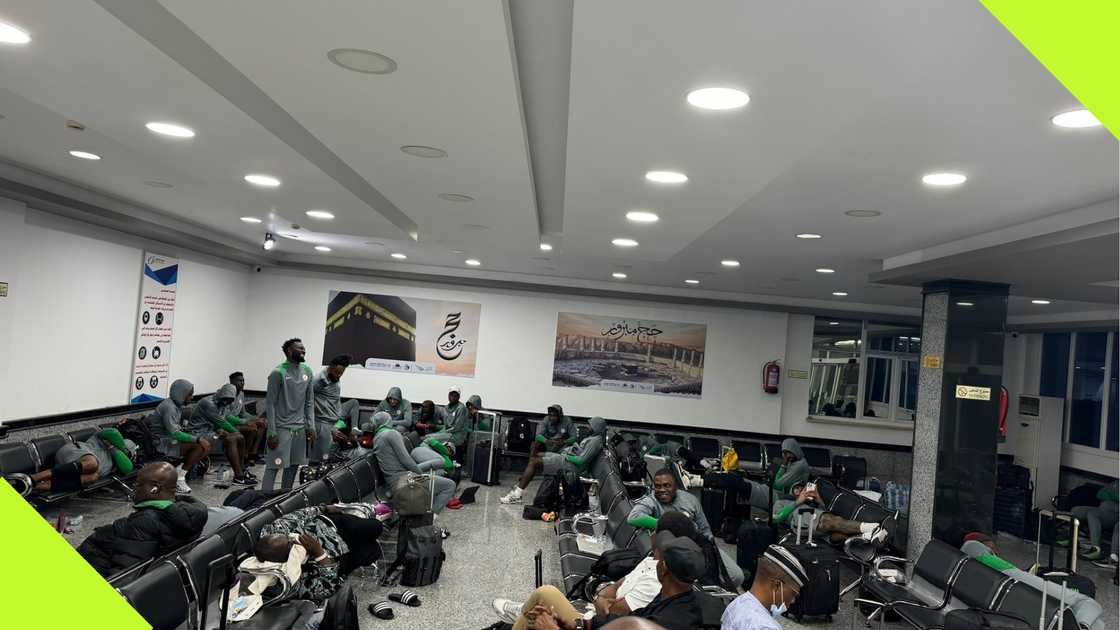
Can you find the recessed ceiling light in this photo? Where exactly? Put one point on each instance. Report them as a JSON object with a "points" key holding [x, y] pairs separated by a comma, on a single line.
{"points": [[943, 179], [690, 281], [667, 177], [624, 242], [833, 323], [155, 183], [478, 227], [458, 251], [965, 304], [250, 219], [170, 129], [398, 256], [290, 235], [320, 214], [1040, 302], [85, 155], [472, 262], [364, 61], [455, 197], [718, 98], [322, 248], [840, 294], [808, 236], [265, 181], [269, 242], [826, 270], [545, 247], [1076, 119], [642, 216], [729, 263], [863, 214], [10, 34], [619, 275], [417, 150]]}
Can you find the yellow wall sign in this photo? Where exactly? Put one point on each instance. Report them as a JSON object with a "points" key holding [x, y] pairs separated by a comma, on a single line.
{"points": [[800, 374], [3, 289], [970, 392], [932, 362]]}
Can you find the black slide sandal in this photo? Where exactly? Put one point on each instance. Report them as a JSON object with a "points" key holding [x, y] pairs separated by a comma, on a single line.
{"points": [[381, 610], [408, 598]]}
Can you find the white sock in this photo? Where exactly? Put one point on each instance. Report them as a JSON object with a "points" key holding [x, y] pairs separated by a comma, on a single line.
{"points": [[516, 491], [868, 528], [182, 472]]}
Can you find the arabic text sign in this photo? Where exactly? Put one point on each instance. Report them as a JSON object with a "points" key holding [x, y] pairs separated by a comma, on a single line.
{"points": [[629, 354], [151, 358], [971, 392], [402, 334]]}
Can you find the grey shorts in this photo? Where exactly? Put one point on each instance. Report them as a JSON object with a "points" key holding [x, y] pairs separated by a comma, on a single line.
{"points": [[553, 463], [324, 440], [291, 451]]}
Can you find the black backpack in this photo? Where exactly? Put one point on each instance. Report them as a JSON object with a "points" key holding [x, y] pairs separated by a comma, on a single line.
{"points": [[717, 574], [631, 465], [519, 437], [341, 610], [574, 498], [423, 556], [612, 566], [138, 430]]}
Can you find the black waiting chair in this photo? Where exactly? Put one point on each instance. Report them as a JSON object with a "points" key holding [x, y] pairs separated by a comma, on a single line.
{"points": [[344, 484], [81, 435], [704, 447], [291, 503], [365, 476], [16, 457], [318, 493], [750, 454], [45, 448], [819, 460], [209, 568], [160, 597]]}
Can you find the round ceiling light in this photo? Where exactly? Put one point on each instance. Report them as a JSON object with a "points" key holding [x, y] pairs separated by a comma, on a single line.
{"points": [[326, 215], [863, 214], [729, 263], [546, 247], [619, 275], [250, 219], [1076, 119], [642, 216], [364, 61], [808, 236], [472, 262], [840, 294], [719, 98], [691, 281], [170, 129], [666, 177], [455, 197], [155, 183], [944, 179], [624, 242], [1040, 302], [85, 155], [11, 34], [826, 270], [322, 248], [265, 181], [418, 150], [398, 256]]}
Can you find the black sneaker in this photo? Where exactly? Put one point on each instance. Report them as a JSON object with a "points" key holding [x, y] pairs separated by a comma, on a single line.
{"points": [[244, 481], [248, 474]]}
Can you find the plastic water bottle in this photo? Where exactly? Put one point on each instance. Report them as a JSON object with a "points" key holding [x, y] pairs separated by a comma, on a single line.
{"points": [[891, 496]]}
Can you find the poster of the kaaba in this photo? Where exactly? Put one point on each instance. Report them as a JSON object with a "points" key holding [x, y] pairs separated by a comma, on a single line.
{"points": [[402, 334], [627, 354]]}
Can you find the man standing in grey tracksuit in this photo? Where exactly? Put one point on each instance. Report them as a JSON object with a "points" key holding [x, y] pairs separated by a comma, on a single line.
{"points": [[289, 405], [394, 460], [573, 460], [331, 414]]}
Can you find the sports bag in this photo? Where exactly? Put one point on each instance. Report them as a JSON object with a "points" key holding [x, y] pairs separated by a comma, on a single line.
{"points": [[410, 495]]}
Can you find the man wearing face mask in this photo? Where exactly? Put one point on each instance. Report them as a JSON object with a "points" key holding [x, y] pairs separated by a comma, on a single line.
{"points": [[332, 416], [779, 581], [291, 416]]}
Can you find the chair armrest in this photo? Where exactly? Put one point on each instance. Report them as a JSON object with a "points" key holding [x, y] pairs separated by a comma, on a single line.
{"points": [[881, 559]]}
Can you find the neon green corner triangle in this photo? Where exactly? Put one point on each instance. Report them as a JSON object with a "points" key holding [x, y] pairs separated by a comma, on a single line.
{"points": [[1078, 41], [45, 583]]}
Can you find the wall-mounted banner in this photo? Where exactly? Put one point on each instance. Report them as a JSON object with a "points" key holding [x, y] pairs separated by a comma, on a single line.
{"points": [[625, 354], [151, 357], [402, 334]]}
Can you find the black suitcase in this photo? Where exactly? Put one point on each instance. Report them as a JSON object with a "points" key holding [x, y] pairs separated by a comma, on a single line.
{"points": [[820, 596], [847, 471], [975, 619], [519, 435], [340, 612], [422, 556], [485, 464]]}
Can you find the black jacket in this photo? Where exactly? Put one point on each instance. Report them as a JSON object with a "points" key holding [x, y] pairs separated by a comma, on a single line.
{"points": [[145, 534], [680, 612]]}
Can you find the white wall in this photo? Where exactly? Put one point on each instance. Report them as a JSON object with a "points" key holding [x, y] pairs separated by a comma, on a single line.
{"points": [[516, 338], [67, 326]]}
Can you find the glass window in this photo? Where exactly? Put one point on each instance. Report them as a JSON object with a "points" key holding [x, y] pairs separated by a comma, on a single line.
{"points": [[1112, 442], [1088, 389], [908, 391], [834, 375], [1055, 365], [877, 388]]}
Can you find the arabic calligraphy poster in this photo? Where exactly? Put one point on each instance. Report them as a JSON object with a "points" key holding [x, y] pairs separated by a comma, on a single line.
{"points": [[402, 334], [626, 354]]}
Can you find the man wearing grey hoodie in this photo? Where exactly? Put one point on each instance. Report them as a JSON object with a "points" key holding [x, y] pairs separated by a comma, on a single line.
{"points": [[213, 414], [291, 417], [332, 415], [454, 421], [172, 437], [399, 409], [394, 460], [573, 460], [555, 432], [793, 471]]}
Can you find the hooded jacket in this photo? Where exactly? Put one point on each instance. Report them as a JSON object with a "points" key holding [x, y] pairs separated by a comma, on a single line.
{"points": [[216, 411], [475, 401], [148, 532], [289, 398], [166, 421], [791, 474], [563, 429], [456, 422], [328, 398], [400, 416], [583, 455], [392, 454]]}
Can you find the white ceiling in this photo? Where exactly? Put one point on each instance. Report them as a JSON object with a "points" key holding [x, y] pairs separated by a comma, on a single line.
{"points": [[850, 104]]}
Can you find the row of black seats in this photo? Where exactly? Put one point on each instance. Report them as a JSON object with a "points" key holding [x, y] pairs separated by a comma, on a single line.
{"points": [[945, 579], [183, 589], [38, 454], [854, 507]]}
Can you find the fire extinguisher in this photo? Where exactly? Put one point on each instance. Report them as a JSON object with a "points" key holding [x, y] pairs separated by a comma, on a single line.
{"points": [[771, 373]]}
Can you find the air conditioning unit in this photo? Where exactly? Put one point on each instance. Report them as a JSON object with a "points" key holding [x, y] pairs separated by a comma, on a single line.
{"points": [[1038, 444]]}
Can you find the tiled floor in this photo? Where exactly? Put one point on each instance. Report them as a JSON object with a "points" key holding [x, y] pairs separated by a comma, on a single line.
{"points": [[490, 554]]}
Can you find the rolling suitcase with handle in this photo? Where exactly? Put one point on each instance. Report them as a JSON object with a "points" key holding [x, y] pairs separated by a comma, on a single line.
{"points": [[820, 596], [1068, 573]]}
